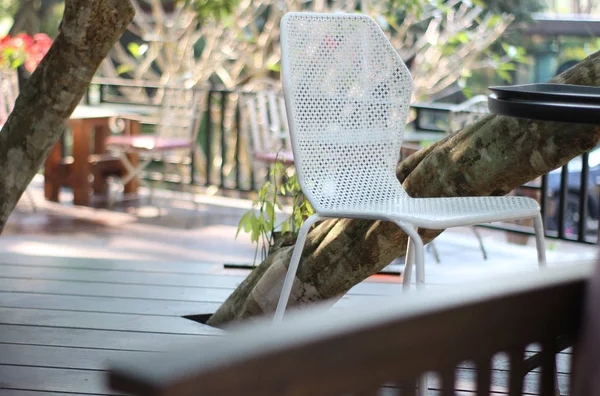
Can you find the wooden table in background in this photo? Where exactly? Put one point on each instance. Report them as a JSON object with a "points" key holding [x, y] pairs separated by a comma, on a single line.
{"points": [[75, 171]]}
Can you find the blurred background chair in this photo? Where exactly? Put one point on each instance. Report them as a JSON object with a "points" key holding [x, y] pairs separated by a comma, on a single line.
{"points": [[266, 127], [172, 142]]}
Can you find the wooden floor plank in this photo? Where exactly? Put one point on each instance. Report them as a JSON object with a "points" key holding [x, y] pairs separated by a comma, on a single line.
{"points": [[105, 304], [103, 321], [53, 380], [151, 292], [121, 277], [112, 290], [230, 282], [17, 392], [109, 264], [87, 338], [61, 357]]}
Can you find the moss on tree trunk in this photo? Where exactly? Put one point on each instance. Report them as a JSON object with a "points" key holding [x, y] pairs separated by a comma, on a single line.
{"points": [[492, 156]]}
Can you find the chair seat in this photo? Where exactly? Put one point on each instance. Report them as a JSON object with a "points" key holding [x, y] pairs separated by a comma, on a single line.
{"points": [[439, 213], [146, 143], [285, 157]]}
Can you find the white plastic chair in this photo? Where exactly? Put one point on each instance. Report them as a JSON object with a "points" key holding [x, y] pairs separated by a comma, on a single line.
{"points": [[175, 133], [347, 95]]}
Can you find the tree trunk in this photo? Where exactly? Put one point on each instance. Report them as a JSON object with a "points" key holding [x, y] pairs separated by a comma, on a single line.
{"points": [[88, 30], [492, 156]]}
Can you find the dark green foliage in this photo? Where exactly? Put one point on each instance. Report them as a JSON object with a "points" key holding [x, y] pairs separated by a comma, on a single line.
{"points": [[212, 9]]}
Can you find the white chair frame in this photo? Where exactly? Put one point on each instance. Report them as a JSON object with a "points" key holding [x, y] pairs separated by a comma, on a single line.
{"points": [[345, 40]]}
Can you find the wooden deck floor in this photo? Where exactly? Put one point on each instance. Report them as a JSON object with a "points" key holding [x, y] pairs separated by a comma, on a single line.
{"points": [[61, 319]]}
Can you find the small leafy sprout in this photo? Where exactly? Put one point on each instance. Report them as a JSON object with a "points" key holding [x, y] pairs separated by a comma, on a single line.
{"points": [[261, 221]]}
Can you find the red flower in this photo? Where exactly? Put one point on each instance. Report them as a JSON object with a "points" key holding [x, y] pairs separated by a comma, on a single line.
{"points": [[24, 49]]}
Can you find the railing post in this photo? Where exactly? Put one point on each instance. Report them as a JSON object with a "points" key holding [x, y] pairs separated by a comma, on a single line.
{"points": [[563, 199], [237, 142], [224, 95], [583, 198], [208, 137]]}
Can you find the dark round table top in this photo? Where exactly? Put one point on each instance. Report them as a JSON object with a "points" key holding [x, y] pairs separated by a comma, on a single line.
{"points": [[547, 102]]}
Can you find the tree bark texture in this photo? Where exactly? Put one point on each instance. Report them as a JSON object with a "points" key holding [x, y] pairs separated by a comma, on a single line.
{"points": [[87, 32], [492, 156]]}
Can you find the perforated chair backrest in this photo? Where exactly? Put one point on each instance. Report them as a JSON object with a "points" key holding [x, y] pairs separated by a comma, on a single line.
{"points": [[266, 119], [347, 95], [9, 90], [180, 113]]}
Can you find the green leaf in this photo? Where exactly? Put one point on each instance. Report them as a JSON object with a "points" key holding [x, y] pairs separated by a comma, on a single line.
{"points": [[504, 75], [262, 193], [298, 219], [511, 51], [270, 214], [15, 63], [248, 226], [285, 227], [463, 37], [134, 49], [274, 67], [243, 223], [255, 229], [277, 167], [507, 66], [121, 69]]}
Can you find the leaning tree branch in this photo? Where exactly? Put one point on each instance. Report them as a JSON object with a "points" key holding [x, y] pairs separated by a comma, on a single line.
{"points": [[87, 32], [492, 156]]}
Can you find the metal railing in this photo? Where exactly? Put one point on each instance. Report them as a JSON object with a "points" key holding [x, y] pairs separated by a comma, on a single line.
{"points": [[569, 201]]}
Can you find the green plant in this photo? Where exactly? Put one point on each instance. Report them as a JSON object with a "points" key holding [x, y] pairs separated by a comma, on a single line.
{"points": [[261, 221]]}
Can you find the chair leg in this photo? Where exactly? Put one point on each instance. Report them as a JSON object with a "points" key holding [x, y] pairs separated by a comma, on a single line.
{"points": [[419, 251], [409, 261], [480, 240], [422, 385], [132, 172], [293, 267], [539, 240], [436, 256]]}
